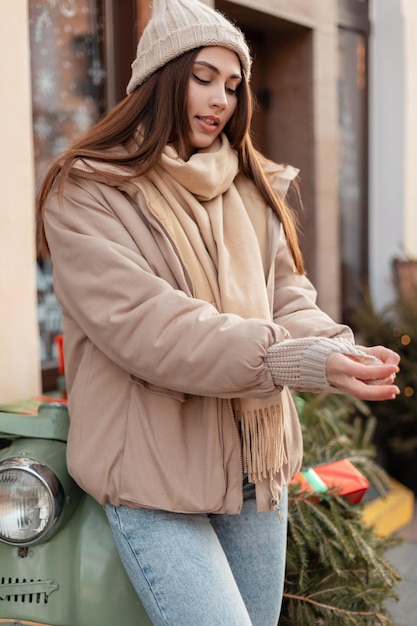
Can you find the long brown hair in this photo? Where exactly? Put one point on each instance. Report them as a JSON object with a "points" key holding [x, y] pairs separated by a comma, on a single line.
{"points": [[159, 107]]}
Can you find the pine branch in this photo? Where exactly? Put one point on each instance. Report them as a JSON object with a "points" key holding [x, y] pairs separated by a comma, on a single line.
{"points": [[334, 610], [335, 571]]}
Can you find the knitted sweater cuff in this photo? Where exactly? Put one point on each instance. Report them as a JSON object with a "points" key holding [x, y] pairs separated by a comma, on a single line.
{"points": [[301, 363]]}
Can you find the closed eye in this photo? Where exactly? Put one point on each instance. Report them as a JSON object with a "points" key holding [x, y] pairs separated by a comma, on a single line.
{"points": [[201, 80], [230, 90]]}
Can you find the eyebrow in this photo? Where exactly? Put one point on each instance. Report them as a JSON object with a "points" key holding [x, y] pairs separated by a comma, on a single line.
{"points": [[216, 70]]}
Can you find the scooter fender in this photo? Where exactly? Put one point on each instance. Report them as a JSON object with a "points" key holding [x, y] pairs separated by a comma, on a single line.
{"points": [[75, 576]]}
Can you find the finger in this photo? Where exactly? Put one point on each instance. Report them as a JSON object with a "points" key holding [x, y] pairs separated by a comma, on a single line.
{"points": [[384, 354], [369, 372], [378, 373], [384, 381], [364, 391], [343, 371]]}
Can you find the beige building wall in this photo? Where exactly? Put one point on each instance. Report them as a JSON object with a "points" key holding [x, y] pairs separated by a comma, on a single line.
{"points": [[19, 343], [410, 148], [393, 124]]}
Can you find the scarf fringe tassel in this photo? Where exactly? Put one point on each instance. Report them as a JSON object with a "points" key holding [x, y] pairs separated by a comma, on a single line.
{"points": [[262, 442]]}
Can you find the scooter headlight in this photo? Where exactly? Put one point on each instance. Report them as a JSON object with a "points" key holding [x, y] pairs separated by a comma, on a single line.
{"points": [[31, 501]]}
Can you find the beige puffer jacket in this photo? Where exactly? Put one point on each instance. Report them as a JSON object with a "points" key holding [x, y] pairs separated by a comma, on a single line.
{"points": [[150, 369]]}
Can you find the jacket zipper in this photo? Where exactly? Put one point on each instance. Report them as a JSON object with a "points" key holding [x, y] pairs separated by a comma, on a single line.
{"points": [[229, 402], [82, 169], [275, 506]]}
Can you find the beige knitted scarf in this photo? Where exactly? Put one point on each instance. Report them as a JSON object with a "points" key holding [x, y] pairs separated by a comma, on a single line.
{"points": [[223, 244]]}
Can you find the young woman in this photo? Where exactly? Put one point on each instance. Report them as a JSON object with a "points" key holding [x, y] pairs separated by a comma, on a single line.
{"points": [[187, 315]]}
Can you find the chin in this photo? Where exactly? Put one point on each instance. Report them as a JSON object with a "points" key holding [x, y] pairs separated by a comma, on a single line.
{"points": [[200, 145]]}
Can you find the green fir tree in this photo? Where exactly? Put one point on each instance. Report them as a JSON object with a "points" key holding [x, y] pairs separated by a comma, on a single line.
{"points": [[396, 432], [336, 573]]}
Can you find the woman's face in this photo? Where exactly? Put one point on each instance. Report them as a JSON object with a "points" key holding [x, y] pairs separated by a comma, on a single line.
{"points": [[212, 94]]}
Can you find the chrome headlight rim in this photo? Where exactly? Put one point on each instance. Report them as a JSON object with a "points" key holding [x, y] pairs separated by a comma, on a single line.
{"points": [[53, 490]]}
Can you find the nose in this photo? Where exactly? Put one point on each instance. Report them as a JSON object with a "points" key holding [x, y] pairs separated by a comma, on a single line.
{"points": [[219, 98]]}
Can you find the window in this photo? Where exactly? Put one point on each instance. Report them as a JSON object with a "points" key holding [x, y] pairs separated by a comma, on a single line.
{"points": [[77, 47], [353, 173]]}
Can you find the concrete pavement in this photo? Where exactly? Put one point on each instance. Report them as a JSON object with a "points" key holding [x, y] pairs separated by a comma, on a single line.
{"points": [[404, 559]]}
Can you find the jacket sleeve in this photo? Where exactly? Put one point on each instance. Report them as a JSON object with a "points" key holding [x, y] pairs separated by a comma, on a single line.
{"points": [[295, 302], [111, 290], [301, 363], [295, 298]]}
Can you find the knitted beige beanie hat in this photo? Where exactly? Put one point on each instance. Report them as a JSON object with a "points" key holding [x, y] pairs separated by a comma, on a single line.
{"points": [[177, 26]]}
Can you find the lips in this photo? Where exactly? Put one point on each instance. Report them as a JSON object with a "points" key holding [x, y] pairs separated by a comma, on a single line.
{"points": [[210, 121]]}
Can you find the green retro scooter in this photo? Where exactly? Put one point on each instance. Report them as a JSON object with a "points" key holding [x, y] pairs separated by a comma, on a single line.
{"points": [[58, 562]]}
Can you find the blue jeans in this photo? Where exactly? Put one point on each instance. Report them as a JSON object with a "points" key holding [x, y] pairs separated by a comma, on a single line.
{"points": [[204, 570]]}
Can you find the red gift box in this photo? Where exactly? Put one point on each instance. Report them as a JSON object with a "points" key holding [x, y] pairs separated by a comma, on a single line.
{"points": [[342, 477]]}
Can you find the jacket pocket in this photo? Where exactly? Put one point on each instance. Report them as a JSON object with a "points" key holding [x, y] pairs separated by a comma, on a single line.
{"points": [[159, 391], [173, 453]]}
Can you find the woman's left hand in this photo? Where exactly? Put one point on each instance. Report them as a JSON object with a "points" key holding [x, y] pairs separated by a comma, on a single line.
{"points": [[370, 377]]}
